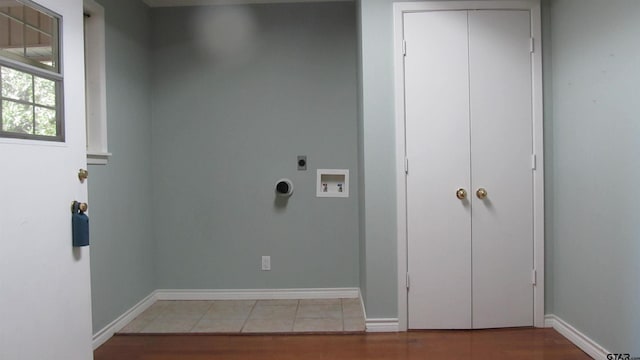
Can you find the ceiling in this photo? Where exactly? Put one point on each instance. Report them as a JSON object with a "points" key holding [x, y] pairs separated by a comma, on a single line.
{"points": [[170, 3]]}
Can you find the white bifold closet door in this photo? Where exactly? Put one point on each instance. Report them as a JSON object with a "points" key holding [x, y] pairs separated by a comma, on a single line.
{"points": [[469, 127]]}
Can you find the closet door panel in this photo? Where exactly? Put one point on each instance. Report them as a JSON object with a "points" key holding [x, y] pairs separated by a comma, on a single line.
{"points": [[437, 138], [501, 150]]}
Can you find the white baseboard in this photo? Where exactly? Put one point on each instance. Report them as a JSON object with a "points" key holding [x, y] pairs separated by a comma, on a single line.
{"points": [[579, 339], [257, 294], [116, 325], [383, 325], [549, 320]]}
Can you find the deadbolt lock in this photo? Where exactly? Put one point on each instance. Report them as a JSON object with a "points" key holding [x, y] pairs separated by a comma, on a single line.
{"points": [[80, 206]]}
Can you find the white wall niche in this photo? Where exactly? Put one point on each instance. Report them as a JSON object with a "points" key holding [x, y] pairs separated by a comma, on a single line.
{"points": [[332, 183]]}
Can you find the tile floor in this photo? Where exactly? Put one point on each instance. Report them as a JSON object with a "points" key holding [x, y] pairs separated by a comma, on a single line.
{"points": [[250, 316]]}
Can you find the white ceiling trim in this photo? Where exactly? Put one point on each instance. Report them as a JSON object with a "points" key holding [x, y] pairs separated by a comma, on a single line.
{"points": [[171, 3]]}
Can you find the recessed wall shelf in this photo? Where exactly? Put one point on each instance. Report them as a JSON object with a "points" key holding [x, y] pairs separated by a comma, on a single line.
{"points": [[332, 183]]}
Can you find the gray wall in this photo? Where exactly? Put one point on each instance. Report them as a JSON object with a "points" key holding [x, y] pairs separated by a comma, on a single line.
{"points": [[122, 270], [595, 129], [378, 144], [231, 110]]}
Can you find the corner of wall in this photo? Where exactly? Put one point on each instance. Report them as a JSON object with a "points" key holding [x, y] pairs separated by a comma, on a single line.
{"points": [[361, 170]]}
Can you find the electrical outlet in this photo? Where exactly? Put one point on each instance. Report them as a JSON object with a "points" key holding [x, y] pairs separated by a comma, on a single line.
{"points": [[302, 162], [266, 263]]}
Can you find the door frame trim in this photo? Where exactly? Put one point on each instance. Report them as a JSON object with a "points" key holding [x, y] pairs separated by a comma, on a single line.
{"points": [[533, 6]]}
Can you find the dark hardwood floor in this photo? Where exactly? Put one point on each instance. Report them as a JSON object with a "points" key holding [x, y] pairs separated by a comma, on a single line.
{"points": [[513, 344]]}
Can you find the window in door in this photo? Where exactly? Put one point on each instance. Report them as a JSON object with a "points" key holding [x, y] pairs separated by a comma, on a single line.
{"points": [[30, 75]]}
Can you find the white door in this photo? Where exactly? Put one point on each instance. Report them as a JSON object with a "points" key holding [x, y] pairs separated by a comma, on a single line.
{"points": [[45, 309], [469, 127], [437, 140], [501, 151]]}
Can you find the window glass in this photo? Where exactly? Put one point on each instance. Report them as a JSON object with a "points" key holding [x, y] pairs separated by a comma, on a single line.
{"points": [[44, 91], [45, 121], [28, 35], [30, 78], [16, 85], [17, 118]]}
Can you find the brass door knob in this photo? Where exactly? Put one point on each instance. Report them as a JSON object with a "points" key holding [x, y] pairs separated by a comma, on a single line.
{"points": [[461, 194], [481, 193]]}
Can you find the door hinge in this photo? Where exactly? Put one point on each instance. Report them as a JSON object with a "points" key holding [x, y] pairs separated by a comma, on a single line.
{"points": [[534, 161], [534, 277], [532, 48], [404, 47], [408, 282], [406, 165]]}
